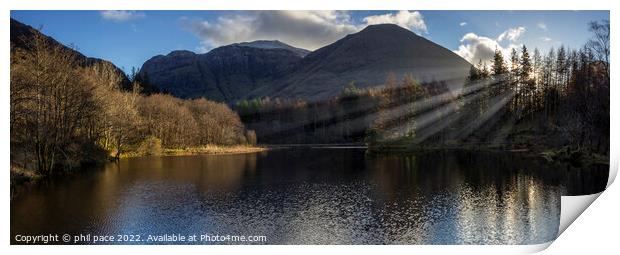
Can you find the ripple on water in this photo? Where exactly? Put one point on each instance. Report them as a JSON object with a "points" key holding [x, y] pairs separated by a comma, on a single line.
{"points": [[307, 197]]}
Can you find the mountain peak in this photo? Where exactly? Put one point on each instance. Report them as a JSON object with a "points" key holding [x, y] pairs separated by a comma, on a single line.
{"points": [[181, 53], [265, 44], [384, 26], [261, 68], [367, 58], [272, 44], [385, 29]]}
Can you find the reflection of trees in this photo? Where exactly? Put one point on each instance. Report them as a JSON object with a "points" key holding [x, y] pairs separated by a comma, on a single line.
{"points": [[163, 193], [457, 197], [204, 171], [225, 172], [308, 194]]}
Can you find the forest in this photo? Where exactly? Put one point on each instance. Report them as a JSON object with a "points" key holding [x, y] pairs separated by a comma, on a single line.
{"points": [[65, 115], [525, 100]]}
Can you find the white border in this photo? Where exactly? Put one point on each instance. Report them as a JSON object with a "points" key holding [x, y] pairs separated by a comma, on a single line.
{"points": [[601, 217]]}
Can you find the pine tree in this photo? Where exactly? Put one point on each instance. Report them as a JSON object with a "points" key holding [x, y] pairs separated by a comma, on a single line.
{"points": [[537, 66], [484, 72], [514, 75], [499, 66], [514, 62], [525, 71], [498, 71], [561, 66], [525, 65], [548, 82]]}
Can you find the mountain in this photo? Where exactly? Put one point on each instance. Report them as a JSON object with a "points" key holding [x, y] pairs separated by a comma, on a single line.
{"points": [[274, 69], [21, 34], [367, 58], [275, 44], [226, 73]]}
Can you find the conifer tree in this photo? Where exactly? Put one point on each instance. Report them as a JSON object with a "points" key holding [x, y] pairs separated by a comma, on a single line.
{"points": [[499, 67]]}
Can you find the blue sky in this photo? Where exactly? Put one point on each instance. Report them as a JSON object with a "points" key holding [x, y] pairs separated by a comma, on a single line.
{"points": [[128, 38]]}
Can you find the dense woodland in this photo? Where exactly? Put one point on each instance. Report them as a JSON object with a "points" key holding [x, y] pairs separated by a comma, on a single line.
{"points": [[64, 114], [526, 99]]}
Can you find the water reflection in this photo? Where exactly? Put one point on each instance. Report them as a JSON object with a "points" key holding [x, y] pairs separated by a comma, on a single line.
{"points": [[447, 198], [313, 196]]}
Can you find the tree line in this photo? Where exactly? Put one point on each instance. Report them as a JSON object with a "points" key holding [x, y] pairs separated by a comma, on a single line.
{"points": [[351, 117], [64, 114], [528, 99], [565, 92]]}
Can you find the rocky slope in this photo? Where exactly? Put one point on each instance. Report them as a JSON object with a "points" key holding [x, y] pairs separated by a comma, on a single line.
{"points": [[21, 34], [367, 58], [274, 69], [226, 73], [266, 44]]}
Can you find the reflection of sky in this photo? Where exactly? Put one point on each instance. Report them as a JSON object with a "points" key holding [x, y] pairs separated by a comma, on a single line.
{"points": [[443, 199], [167, 197], [520, 209]]}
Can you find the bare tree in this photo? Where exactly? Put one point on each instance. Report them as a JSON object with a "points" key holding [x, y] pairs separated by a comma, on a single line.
{"points": [[599, 43], [51, 101]]}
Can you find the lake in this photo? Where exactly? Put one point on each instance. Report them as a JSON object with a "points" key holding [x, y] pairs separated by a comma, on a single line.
{"points": [[311, 196]]}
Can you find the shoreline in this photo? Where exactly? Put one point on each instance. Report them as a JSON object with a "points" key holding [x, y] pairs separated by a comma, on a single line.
{"points": [[202, 150], [565, 154], [214, 150], [20, 176]]}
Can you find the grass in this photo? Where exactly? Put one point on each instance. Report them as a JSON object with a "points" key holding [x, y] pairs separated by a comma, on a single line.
{"points": [[206, 149], [214, 149]]}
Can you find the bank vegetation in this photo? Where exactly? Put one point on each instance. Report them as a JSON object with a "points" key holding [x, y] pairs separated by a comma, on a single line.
{"points": [[65, 115]]}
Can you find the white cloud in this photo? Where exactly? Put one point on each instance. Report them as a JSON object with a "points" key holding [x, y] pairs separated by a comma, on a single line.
{"points": [[512, 34], [305, 29], [542, 26], [474, 48], [546, 39], [121, 16], [411, 20], [463, 24]]}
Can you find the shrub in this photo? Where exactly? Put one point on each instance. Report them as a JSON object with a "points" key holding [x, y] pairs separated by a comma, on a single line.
{"points": [[250, 137], [151, 145]]}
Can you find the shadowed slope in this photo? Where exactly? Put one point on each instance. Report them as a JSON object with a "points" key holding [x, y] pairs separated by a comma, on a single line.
{"points": [[367, 58], [22, 34]]}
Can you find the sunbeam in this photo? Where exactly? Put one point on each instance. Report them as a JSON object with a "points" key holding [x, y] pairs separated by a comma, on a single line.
{"points": [[366, 111]]}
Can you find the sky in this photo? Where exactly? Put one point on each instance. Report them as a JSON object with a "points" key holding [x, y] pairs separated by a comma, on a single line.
{"points": [[129, 38]]}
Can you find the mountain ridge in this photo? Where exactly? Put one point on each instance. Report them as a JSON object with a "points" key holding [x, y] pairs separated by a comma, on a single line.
{"points": [[270, 68], [225, 73], [365, 58], [273, 44], [21, 33]]}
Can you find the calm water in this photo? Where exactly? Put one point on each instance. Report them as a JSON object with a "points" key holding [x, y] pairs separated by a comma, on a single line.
{"points": [[312, 196]]}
